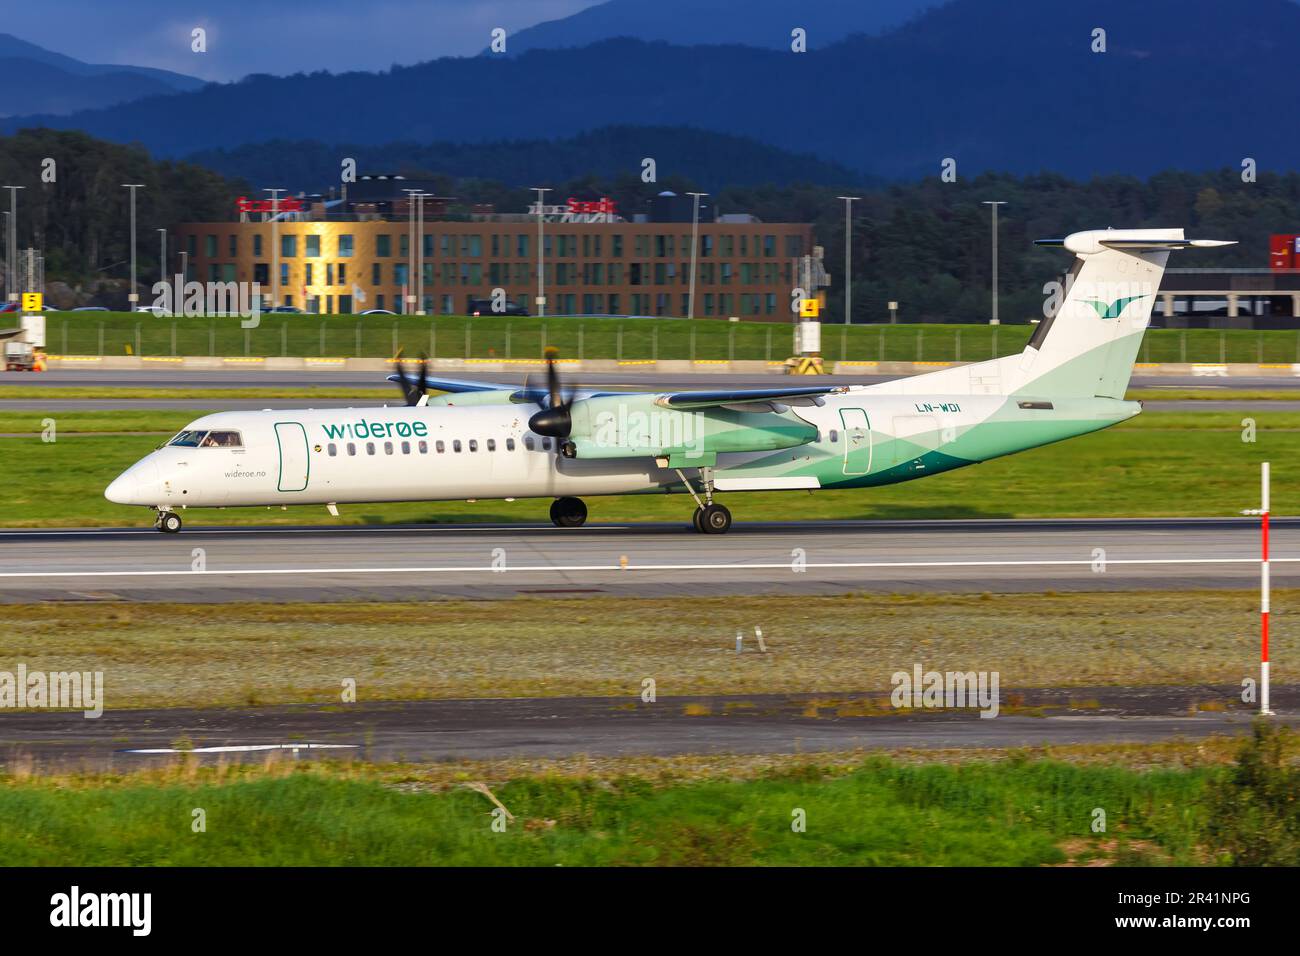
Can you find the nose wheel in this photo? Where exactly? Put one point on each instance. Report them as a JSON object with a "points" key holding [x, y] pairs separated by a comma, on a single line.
{"points": [[568, 512], [168, 522]]}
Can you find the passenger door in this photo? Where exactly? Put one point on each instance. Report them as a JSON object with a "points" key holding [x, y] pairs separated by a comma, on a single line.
{"points": [[294, 462], [857, 441]]}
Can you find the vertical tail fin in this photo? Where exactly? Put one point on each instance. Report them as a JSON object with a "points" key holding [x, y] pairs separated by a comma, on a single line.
{"points": [[1087, 347]]}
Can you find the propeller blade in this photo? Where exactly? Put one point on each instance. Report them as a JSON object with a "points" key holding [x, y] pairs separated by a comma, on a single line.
{"points": [[553, 421]]}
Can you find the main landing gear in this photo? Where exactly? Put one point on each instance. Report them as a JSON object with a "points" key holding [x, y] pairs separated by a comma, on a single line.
{"points": [[167, 521], [712, 519], [709, 517], [568, 512]]}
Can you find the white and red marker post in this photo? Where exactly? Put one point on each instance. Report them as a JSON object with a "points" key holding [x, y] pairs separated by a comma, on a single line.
{"points": [[1263, 592]]}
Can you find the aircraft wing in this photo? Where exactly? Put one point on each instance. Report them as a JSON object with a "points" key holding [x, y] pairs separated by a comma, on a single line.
{"points": [[803, 395], [455, 384]]}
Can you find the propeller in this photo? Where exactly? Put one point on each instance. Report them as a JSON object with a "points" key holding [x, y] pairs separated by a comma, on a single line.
{"points": [[413, 390], [554, 420]]}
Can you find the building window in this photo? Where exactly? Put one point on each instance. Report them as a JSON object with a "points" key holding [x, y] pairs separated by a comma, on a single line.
{"points": [[257, 245], [312, 244], [376, 274], [233, 245], [306, 274], [288, 247], [383, 246], [345, 246], [521, 245]]}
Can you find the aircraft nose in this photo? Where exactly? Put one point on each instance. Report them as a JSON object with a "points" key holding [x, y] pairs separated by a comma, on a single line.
{"points": [[133, 486]]}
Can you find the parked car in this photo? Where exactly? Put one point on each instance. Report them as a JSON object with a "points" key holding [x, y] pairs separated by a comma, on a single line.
{"points": [[377, 312], [291, 309], [155, 310], [484, 307], [90, 308]]}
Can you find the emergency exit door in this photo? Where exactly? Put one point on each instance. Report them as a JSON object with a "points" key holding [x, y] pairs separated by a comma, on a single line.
{"points": [[857, 441], [294, 463]]}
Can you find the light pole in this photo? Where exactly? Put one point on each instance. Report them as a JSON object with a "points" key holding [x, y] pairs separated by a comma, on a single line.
{"points": [[162, 254], [541, 262], [695, 236], [994, 204], [419, 252], [411, 203], [11, 242], [275, 245], [132, 296], [848, 260]]}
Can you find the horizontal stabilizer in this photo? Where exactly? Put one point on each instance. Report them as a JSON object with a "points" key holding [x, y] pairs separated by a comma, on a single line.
{"points": [[1094, 241]]}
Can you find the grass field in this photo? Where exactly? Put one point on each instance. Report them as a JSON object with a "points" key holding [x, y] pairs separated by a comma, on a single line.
{"points": [[882, 813], [1142, 467], [385, 393], [589, 337], [253, 654]]}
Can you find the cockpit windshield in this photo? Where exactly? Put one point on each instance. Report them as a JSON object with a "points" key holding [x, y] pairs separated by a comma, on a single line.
{"points": [[208, 439]]}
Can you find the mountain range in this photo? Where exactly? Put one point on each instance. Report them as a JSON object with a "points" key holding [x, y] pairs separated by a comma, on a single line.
{"points": [[42, 81], [1014, 85]]}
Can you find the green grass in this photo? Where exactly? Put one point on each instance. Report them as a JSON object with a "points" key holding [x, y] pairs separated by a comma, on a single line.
{"points": [[1017, 813], [1143, 467], [586, 337]]}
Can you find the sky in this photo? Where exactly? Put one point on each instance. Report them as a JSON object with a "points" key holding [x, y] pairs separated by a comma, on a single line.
{"points": [[271, 36]]}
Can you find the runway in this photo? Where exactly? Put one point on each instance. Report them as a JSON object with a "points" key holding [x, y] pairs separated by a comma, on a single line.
{"points": [[491, 561], [542, 728]]}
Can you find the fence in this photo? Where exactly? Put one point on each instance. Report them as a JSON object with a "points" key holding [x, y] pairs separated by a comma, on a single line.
{"points": [[630, 339]]}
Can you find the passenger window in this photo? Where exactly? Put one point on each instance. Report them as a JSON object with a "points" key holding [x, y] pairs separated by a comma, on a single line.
{"points": [[835, 435], [370, 448], [334, 449], [473, 444], [510, 444], [424, 448], [546, 444], [528, 442], [352, 449], [492, 444], [455, 446], [406, 448], [441, 446], [388, 448]]}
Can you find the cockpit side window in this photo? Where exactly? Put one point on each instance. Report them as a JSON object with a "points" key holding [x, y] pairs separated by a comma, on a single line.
{"points": [[216, 439]]}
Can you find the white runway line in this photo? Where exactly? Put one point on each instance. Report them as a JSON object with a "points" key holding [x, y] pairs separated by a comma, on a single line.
{"points": [[782, 566]]}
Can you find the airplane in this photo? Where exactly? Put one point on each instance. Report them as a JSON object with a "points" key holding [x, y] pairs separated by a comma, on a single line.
{"points": [[482, 441]]}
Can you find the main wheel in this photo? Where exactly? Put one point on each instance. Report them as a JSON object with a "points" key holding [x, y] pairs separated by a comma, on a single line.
{"points": [[568, 512], [714, 519], [169, 522]]}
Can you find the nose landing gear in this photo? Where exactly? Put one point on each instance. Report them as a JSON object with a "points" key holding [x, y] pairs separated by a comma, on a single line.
{"points": [[167, 521], [712, 519], [568, 512]]}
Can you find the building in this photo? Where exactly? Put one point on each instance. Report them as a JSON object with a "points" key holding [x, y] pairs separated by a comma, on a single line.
{"points": [[353, 252]]}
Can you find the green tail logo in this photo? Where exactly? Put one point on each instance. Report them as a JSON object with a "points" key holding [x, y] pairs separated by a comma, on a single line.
{"points": [[1113, 310]]}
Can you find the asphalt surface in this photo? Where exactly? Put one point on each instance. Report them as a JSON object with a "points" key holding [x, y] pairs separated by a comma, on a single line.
{"points": [[439, 730], [247, 378], [429, 562]]}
